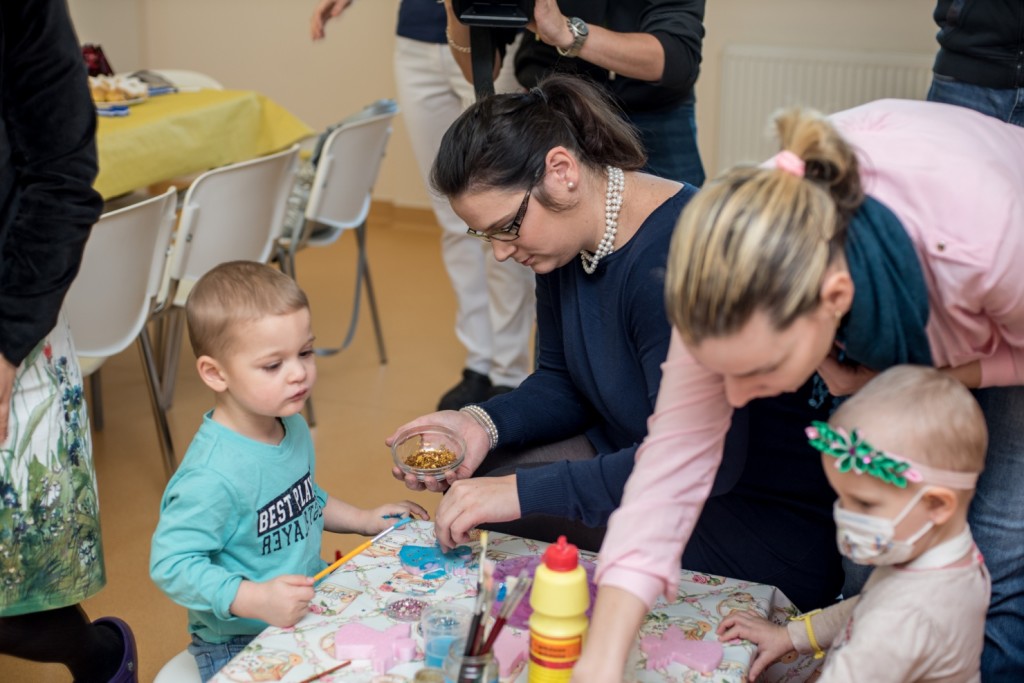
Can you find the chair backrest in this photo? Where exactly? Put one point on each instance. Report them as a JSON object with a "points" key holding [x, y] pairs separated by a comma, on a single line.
{"points": [[121, 272], [232, 213], [183, 78], [347, 169]]}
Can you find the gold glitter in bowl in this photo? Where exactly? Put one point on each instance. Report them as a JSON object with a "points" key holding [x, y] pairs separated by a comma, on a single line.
{"points": [[428, 451]]}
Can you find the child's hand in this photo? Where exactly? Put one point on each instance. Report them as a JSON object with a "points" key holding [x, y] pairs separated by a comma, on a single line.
{"points": [[772, 640], [380, 518], [281, 601]]}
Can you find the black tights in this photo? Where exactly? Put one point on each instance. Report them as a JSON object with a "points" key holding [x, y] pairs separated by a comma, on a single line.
{"points": [[66, 636]]}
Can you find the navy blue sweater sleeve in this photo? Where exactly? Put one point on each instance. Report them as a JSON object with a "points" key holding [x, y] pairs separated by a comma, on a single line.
{"points": [[547, 406], [638, 335]]}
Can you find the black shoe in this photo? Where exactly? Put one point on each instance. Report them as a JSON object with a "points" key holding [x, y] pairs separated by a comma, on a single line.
{"points": [[498, 390], [474, 388]]}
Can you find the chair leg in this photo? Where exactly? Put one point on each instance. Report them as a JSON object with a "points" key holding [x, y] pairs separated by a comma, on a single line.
{"points": [[149, 363], [364, 262], [96, 400], [362, 278], [170, 353]]}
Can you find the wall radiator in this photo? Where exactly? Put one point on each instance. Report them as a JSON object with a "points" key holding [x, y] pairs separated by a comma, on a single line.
{"points": [[758, 80]]}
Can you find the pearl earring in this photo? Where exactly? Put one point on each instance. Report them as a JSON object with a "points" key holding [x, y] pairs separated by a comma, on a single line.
{"points": [[571, 185]]}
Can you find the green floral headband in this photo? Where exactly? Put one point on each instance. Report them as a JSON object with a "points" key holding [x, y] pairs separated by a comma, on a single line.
{"points": [[856, 454]]}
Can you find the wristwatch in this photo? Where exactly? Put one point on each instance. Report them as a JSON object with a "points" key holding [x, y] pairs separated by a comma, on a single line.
{"points": [[579, 31]]}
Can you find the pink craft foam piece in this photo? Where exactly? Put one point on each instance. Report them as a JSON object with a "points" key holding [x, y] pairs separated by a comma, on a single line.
{"points": [[511, 649], [702, 655], [383, 648]]}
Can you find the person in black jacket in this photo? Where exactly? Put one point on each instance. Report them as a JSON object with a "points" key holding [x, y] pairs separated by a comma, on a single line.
{"points": [[980, 63], [646, 53], [51, 553]]}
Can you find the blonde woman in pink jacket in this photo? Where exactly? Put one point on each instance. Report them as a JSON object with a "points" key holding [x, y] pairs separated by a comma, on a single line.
{"points": [[888, 234]]}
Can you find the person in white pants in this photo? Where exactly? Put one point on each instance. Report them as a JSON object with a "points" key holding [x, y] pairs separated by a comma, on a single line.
{"points": [[496, 305], [495, 315]]}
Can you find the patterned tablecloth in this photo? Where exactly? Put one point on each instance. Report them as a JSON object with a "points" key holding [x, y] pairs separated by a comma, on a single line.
{"points": [[360, 591]]}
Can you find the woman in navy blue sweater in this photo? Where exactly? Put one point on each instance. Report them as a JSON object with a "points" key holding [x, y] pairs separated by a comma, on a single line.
{"points": [[552, 179]]}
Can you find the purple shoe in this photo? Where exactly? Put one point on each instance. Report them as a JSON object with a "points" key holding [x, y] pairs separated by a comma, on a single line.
{"points": [[128, 672]]}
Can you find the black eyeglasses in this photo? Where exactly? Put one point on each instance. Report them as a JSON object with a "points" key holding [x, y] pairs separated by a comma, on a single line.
{"points": [[511, 231]]}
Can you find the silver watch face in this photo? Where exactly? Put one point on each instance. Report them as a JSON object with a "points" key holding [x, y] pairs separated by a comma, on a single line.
{"points": [[578, 26]]}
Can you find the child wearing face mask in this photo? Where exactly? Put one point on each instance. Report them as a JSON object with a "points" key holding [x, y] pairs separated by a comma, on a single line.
{"points": [[903, 455]]}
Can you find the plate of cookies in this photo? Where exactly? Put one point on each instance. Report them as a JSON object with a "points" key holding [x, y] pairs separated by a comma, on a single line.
{"points": [[117, 91]]}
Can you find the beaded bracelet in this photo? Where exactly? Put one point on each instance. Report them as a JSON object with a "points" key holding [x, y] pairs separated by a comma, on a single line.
{"points": [[806, 618], [485, 421], [455, 46]]}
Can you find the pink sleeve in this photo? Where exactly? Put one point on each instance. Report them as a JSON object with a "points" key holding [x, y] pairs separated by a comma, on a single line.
{"points": [[675, 467]]}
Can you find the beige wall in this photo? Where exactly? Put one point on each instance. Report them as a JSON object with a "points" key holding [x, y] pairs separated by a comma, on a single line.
{"points": [[264, 45]]}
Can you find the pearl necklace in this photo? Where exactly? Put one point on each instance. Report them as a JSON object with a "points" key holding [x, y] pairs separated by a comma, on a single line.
{"points": [[612, 204]]}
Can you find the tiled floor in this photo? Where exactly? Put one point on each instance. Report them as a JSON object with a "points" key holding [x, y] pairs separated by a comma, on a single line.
{"points": [[358, 402]]}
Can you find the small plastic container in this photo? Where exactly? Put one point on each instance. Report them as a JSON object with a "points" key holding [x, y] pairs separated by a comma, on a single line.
{"points": [[428, 451], [442, 624]]}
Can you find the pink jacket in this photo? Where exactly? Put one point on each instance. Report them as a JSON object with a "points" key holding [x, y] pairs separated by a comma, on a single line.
{"points": [[955, 179]]}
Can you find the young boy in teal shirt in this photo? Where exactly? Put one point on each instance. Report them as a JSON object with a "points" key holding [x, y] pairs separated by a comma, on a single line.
{"points": [[238, 540]]}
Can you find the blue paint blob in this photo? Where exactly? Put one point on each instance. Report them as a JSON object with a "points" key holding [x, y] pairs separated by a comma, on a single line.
{"points": [[431, 563]]}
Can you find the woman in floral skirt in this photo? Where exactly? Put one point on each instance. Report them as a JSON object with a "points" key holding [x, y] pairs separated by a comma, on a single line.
{"points": [[51, 554]]}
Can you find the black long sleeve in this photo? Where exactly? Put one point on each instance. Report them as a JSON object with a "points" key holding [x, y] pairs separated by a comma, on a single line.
{"points": [[47, 168]]}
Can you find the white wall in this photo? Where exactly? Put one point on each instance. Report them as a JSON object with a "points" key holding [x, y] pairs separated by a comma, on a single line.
{"points": [[264, 45]]}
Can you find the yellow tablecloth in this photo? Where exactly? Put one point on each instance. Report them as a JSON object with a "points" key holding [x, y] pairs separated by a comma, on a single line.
{"points": [[181, 133]]}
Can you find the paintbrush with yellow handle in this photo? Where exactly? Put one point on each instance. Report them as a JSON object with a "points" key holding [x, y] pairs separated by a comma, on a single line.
{"points": [[360, 548]]}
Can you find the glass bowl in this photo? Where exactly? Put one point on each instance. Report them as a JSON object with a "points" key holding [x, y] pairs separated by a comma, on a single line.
{"points": [[428, 451]]}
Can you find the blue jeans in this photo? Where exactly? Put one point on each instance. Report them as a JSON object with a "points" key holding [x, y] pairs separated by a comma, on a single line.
{"points": [[670, 138], [1006, 104], [997, 522], [211, 657]]}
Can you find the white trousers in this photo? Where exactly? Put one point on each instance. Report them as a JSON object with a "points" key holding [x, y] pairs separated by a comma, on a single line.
{"points": [[496, 305]]}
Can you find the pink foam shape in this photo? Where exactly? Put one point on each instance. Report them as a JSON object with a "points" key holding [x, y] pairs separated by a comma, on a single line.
{"points": [[383, 648], [511, 649], [702, 655]]}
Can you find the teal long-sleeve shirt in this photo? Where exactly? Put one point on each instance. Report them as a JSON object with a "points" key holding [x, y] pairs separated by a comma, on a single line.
{"points": [[236, 509]]}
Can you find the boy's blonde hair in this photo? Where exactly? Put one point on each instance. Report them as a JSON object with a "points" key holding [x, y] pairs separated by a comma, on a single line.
{"points": [[232, 293], [761, 239], [921, 413]]}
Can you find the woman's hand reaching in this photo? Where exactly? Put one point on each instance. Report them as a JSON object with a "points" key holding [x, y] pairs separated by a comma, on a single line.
{"points": [[324, 12], [473, 502], [7, 373]]}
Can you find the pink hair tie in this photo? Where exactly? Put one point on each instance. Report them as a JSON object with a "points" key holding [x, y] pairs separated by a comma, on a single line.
{"points": [[790, 163]]}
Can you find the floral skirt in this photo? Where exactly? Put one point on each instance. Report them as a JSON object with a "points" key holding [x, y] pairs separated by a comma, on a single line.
{"points": [[51, 554]]}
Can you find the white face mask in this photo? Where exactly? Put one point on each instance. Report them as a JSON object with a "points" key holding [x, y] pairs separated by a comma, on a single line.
{"points": [[867, 539]]}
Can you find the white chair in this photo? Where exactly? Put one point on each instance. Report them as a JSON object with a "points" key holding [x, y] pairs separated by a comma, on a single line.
{"points": [[181, 668], [339, 199], [185, 79], [116, 293], [228, 214]]}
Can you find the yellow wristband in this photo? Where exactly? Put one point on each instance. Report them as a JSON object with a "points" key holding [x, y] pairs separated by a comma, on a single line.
{"points": [[806, 618]]}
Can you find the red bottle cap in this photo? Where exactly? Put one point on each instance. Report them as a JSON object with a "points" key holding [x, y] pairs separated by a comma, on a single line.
{"points": [[561, 556]]}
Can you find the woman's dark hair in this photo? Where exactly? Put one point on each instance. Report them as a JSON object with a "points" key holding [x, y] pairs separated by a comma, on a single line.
{"points": [[502, 141]]}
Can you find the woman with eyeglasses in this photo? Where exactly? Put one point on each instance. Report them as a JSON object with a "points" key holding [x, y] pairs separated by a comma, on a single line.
{"points": [[553, 179]]}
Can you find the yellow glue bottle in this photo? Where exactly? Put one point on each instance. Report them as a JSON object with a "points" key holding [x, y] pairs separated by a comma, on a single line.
{"points": [[559, 598]]}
